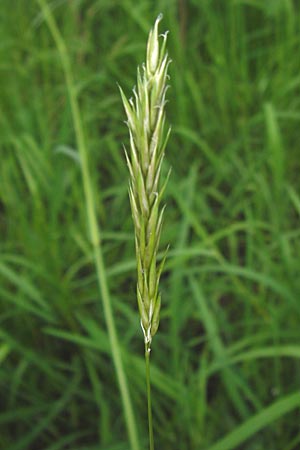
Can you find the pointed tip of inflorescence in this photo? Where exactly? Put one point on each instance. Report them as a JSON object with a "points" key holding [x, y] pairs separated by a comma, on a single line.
{"points": [[153, 47]]}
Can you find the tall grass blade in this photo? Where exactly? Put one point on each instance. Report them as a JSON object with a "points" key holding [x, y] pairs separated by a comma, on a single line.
{"points": [[93, 226]]}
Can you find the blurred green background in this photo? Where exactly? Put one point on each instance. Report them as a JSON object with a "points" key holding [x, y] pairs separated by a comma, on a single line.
{"points": [[225, 361]]}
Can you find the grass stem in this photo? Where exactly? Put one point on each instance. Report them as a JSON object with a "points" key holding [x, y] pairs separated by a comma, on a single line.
{"points": [[150, 422]]}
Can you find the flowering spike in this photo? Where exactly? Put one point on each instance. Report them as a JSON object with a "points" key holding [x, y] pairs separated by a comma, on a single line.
{"points": [[146, 120]]}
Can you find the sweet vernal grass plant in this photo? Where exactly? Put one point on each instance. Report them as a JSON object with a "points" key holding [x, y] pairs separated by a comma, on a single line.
{"points": [[238, 325], [146, 123]]}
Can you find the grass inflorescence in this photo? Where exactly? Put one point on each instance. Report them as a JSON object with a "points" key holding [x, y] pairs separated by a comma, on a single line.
{"points": [[146, 124]]}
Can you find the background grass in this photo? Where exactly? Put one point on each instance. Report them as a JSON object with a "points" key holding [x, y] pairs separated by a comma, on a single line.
{"points": [[225, 362]]}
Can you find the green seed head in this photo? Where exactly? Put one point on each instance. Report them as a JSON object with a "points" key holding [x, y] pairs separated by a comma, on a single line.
{"points": [[146, 122]]}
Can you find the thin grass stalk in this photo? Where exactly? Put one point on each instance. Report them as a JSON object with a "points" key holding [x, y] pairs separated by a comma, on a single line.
{"points": [[149, 405], [94, 228], [146, 119]]}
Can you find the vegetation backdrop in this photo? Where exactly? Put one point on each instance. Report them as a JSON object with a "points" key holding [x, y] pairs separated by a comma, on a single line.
{"points": [[225, 361]]}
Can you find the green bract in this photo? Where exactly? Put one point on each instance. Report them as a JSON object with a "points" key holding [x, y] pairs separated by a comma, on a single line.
{"points": [[146, 122]]}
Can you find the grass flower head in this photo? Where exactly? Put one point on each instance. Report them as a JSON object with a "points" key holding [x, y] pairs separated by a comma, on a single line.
{"points": [[146, 123]]}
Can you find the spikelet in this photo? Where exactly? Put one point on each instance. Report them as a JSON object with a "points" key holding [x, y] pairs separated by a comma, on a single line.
{"points": [[146, 123]]}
